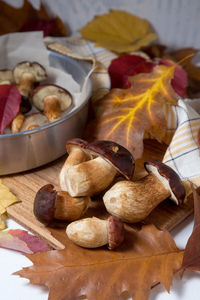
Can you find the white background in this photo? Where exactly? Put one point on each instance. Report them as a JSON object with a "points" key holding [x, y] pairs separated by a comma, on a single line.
{"points": [[178, 24]]}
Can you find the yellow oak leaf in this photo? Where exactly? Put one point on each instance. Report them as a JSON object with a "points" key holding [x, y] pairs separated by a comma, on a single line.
{"points": [[125, 115], [119, 31], [6, 199], [3, 221]]}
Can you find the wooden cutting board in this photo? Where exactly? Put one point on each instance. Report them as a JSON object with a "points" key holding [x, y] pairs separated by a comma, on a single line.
{"points": [[25, 185]]}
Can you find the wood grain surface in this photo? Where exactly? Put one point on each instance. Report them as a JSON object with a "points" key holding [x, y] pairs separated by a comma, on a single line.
{"points": [[25, 185]]}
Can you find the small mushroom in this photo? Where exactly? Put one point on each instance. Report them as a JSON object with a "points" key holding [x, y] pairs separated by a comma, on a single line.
{"points": [[90, 177], [17, 122], [33, 121], [133, 201], [94, 232], [51, 205], [6, 76], [26, 74], [52, 99]]}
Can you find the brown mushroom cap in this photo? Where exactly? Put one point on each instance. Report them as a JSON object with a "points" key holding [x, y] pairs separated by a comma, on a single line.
{"points": [[120, 158], [45, 204], [45, 90], [33, 121], [115, 232], [169, 178], [6, 75], [34, 68]]}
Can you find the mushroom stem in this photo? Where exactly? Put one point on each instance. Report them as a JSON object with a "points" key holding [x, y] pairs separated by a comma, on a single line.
{"points": [[68, 208], [26, 84], [51, 205], [17, 122], [52, 108], [75, 157], [94, 232], [90, 177], [133, 201]]}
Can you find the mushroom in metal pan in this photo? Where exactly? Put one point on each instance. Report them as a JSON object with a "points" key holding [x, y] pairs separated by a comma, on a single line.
{"points": [[26, 74], [52, 99], [33, 121]]}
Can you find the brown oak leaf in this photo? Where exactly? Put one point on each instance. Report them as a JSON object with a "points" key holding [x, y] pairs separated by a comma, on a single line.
{"points": [[190, 66], [102, 274], [191, 259], [28, 18], [124, 116]]}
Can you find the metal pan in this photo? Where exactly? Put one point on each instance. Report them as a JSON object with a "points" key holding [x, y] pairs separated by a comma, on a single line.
{"points": [[30, 149]]}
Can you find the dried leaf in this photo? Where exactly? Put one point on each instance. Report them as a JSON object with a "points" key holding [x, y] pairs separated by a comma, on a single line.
{"points": [[114, 31], [101, 274], [21, 240], [191, 259], [127, 65], [179, 82], [6, 198], [192, 70], [124, 116], [3, 218], [155, 50], [10, 100], [16, 19]]}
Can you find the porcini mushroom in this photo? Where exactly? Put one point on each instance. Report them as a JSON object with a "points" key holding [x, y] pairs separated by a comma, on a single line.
{"points": [[17, 122], [27, 73], [133, 201], [93, 176], [6, 76], [52, 99], [33, 121], [94, 232], [51, 205]]}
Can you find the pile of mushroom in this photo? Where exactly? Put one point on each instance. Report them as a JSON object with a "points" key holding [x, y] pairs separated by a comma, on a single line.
{"points": [[49, 98], [89, 169]]}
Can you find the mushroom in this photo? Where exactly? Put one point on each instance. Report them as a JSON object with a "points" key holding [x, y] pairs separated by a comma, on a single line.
{"points": [[52, 99], [133, 201], [17, 122], [94, 232], [33, 121], [90, 177], [6, 76], [26, 74], [51, 206]]}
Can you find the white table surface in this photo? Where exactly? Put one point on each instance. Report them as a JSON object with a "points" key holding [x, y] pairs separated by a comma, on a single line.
{"points": [[16, 288]]}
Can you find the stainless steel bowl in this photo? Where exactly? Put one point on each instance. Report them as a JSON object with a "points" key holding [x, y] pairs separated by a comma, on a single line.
{"points": [[30, 149]]}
